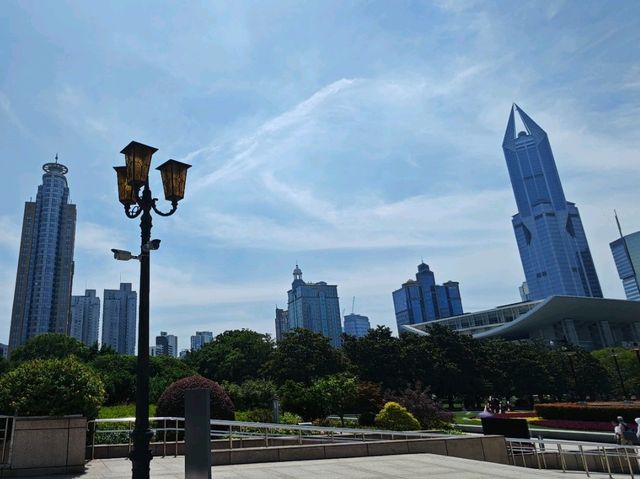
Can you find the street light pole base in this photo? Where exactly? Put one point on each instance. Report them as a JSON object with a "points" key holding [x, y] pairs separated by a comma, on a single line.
{"points": [[141, 455]]}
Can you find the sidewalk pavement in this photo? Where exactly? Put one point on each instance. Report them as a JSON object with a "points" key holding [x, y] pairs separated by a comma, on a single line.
{"points": [[406, 466]]}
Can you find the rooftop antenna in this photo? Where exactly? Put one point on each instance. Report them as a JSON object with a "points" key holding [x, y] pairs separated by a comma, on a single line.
{"points": [[56, 157], [353, 304]]}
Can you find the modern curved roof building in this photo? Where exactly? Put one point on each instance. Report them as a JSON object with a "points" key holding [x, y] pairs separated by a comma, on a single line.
{"points": [[591, 323]]}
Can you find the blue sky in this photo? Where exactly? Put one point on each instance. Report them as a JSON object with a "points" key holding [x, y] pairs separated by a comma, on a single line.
{"points": [[353, 137]]}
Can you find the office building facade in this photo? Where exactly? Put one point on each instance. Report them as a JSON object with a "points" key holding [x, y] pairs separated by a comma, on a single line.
{"points": [[45, 264], [551, 240], [200, 339], [356, 325], [167, 345], [626, 254], [421, 300], [282, 322], [314, 306], [85, 317], [119, 318]]}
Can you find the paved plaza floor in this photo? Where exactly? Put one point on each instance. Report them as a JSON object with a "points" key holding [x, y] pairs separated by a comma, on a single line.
{"points": [[407, 466]]}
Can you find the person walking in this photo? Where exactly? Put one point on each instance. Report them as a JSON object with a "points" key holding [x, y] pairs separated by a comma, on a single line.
{"points": [[637, 420]]}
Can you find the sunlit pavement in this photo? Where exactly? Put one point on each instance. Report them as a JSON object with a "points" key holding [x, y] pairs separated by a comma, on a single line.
{"points": [[407, 466]]}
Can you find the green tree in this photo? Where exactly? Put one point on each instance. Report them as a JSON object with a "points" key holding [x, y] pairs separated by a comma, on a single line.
{"points": [[456, 364], [396, 418], [376, 357], [337, 393], [4, 365], [299, 398], [163, 371], [252, 394], [118, 373], [629, 369], [233, 356], [51, 387], [50, 345], [368, 403], [304, 356]]}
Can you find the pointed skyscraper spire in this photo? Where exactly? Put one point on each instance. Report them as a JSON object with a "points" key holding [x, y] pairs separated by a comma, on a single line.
{"points": [[510, 133], [532, 127]]}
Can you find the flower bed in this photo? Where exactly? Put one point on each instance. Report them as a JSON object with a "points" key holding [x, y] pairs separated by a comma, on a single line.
{"points": [[601, 426], [587, 412]]}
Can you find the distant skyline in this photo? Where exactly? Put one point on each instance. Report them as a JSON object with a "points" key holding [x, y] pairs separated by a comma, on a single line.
{"points": [[354, 138]]}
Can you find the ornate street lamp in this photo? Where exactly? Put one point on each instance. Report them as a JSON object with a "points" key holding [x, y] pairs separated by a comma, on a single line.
{"points": [[135, 195]]}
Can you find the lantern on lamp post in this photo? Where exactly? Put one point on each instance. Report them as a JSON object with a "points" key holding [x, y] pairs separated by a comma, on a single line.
{"points": [[136, 197]]}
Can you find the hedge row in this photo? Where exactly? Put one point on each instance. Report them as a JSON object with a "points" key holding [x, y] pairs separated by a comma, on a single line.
{"points": [[588, 412]]}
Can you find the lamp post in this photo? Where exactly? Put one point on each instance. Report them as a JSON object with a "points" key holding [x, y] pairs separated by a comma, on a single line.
{"points": [[615, 361], [570, 354], [134, 193]]}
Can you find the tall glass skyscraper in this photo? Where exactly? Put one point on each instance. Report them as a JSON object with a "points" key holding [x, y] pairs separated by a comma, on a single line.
{"points": [[421, 300], [356, 325], [314, 306], [553, 246], [85, 317], [119, 319], [626, 254], [45, 264]]}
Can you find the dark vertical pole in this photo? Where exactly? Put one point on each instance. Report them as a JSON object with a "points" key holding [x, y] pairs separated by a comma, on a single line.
{"points": [[141, 435], [575, 376], [197, 434], [615, 360]]}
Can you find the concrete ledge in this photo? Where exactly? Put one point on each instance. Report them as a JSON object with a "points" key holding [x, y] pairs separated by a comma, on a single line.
{"points": [[335, 451], [384, 448], [466, 448], [301, 453], [431, 446], [251, 455]]}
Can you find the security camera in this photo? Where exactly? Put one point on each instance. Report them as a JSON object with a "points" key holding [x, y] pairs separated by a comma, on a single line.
{"points": [[122, 255], [153, 245]]}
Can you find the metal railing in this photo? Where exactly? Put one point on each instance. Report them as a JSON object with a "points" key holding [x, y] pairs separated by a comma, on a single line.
{"points": [[169, 433], [568, 455], [6, 430]]}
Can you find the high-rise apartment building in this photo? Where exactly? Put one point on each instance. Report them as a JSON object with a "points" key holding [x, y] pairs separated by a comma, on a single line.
{"points": [[551, 240], [85, 317], [45, 263], [119, 319], [314, 306], [356, 325], [4, 350], [282, 322], [626, 254], [167, 345], [421, 300], [200, 339]]}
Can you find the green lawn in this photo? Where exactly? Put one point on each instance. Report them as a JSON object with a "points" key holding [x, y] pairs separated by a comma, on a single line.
{"points": [[122, 410], [462, 417]]}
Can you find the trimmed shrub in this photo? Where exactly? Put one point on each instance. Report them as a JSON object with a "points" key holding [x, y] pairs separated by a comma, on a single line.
{"points": [[171, 402], [396, 418], [418, 402], [588, 412], [51, 387]]}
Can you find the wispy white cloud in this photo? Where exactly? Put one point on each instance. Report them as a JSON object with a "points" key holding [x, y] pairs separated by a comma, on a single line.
{"points": [[9, 233], [9, 113]]}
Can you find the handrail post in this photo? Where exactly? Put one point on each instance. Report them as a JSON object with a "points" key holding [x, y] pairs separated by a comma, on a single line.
{"points": [[584, 460], [626, 453], [606, 460], [177, 432], [93, 439], [164, 437]]}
